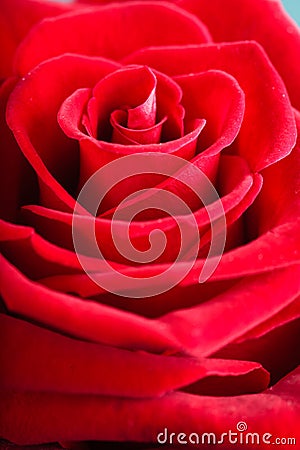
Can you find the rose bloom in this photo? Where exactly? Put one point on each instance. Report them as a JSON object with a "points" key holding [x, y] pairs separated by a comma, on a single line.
{"points": [[86, 353]]}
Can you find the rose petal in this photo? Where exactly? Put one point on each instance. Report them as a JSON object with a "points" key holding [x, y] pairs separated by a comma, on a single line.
{"points": [[133, 88], [262, 20], [286, 315], [217, 97], [50, 362], [126, 86], [77, 317], [100, 30], [206, 328], [271, 129], [16, 19], [71, 314], [57, 226], [34, 417], [262, 255], [32, 116], [35, 256], [235, 234], [281, 197], [125, 136], [153, 307], [95, 154], [277, 349]]}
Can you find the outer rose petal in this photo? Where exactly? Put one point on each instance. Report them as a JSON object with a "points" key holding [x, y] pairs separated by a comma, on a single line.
{"points": [[218, 98], [38, 258], [35, 256], [283, 411], [270, 129], [16, 19], [277, 336], [286, 315], [110, 31], [262, 20], [279, 201], [63, 417], [206, 328], [177, 330], [80, 318], [32, 115], [266, 253], [50, 362]]}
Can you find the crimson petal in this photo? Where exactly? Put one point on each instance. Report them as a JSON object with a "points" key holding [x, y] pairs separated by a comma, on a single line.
{"points": [[34, 417], [32, 116], [101, 30], [80, 318], [269, 130], [50, 362], [208, 327], [262, 20], [56, 226], [16, 19]]}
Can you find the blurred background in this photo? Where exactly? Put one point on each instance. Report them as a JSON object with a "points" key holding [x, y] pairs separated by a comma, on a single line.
{"points": [[293, 8]]}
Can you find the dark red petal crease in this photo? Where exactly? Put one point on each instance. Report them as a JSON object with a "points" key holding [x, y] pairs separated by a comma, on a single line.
{"points": [[32, 116], [17, 179], [281, 340], [211, 325], [286, 315], [279, 202]]}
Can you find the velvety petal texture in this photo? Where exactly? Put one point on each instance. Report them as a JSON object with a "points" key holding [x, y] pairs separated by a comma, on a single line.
{"points": [[188, 110], [16, 19], [117, 414], [261, 85], [132, 23], [266, 21], [47, 149]]}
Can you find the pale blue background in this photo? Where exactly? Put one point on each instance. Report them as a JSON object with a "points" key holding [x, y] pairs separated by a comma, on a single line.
{"points": [[293, 8]]}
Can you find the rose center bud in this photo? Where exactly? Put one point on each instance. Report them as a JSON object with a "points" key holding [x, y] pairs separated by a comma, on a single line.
{"points": [[137, 125], [135, 106], [133, 110]]}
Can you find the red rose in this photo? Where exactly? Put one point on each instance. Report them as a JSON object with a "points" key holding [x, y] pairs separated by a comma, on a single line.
{"points": [[190, 132]]}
